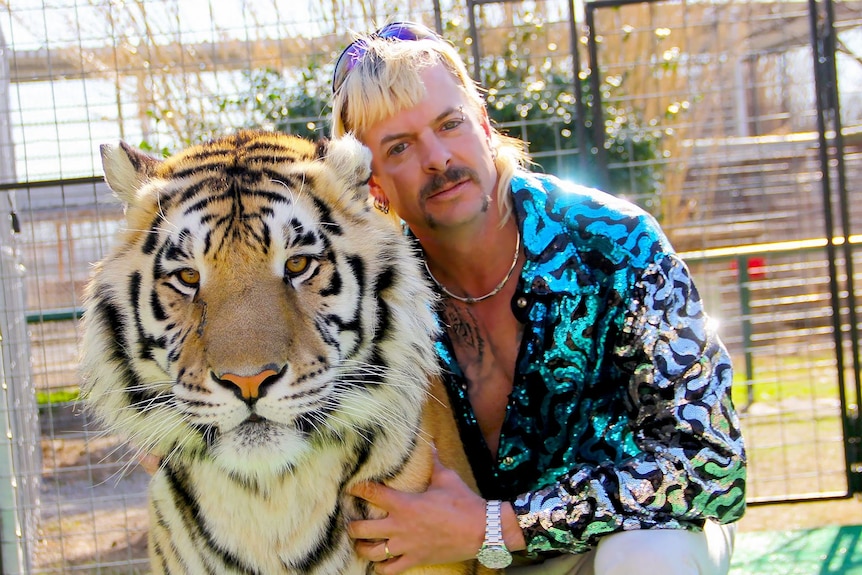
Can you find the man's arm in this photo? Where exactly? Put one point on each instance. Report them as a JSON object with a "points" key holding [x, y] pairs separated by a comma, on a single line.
{"points": [[692, 461], [445, 524]]}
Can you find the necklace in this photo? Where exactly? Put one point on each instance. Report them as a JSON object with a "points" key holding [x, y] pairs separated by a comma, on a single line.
{"points": [[491, 293]]}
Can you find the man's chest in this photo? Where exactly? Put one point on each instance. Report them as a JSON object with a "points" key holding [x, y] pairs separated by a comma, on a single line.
{"points": [[485, 340]]}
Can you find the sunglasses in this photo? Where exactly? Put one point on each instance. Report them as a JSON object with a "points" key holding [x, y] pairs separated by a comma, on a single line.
{"points": [[354, 53]]}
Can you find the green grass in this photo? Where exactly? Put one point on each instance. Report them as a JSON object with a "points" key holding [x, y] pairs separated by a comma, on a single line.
{"points": [[56, 396], [826, 551], [776, 378]]}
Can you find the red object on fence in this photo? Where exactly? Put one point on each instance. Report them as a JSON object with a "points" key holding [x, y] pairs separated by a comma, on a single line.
{"points": [[756, 267]]}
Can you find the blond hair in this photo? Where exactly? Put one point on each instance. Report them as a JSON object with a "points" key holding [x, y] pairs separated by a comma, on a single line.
{"points": [[387, 79]]}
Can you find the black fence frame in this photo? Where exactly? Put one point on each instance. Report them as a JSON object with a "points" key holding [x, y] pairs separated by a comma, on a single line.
{"points": [[837, 221], [831, 151]]}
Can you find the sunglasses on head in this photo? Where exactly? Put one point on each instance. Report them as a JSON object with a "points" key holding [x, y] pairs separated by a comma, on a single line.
{"points": [[356, 50]]}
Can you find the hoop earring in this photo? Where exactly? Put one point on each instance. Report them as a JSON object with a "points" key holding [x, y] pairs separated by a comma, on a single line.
{"points": [[382, 204]]}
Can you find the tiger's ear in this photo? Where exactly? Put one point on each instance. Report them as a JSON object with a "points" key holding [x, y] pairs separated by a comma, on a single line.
{"points": [[350, 160], [126, 169]]}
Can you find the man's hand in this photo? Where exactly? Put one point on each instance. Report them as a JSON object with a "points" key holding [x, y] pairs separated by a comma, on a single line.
{"points": [[446, 524], [150, 462]]}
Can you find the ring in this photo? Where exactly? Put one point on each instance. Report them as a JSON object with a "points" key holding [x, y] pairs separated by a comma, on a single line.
{"points": [[386, 550]]}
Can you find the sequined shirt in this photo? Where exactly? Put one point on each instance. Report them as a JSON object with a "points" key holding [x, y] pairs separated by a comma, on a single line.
{"points": [[620, 416]]}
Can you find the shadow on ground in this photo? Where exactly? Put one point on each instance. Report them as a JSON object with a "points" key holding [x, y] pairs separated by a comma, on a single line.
{"points": [[835, 550]]}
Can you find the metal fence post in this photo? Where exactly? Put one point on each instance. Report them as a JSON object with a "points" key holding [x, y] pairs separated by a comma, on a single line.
{"points": [[743, 280], [20, 451]]}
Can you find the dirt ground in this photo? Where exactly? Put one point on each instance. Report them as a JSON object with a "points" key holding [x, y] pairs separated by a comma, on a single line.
{"points": [[92, 517], [808, 515], [93, 507]]}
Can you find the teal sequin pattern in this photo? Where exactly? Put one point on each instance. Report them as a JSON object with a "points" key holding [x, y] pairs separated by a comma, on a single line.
{"points": [[620, 416]]}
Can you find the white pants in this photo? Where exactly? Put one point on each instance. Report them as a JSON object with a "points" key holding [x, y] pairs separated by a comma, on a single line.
{"points": [[648, 552]]}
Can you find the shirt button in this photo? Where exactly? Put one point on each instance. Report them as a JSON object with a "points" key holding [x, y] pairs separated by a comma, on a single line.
{"points": [[521, 302]]}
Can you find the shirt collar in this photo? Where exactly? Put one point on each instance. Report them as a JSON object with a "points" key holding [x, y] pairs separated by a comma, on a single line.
{"points": [[553, 263]]}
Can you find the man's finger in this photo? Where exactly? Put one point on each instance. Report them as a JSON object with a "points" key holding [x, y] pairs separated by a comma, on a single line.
{"points": [[371, 549], [442, 475], [393, 566], [438, 465], [150, 462], [377, 494], [368, 529]]}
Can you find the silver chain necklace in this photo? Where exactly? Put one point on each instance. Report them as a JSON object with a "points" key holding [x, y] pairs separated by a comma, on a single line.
{"points": [[491, 293]]}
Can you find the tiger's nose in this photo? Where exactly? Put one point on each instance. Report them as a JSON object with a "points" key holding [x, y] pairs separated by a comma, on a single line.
{"points": [[248, 387]]}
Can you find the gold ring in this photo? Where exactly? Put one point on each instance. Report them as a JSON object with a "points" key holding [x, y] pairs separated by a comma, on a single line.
{"points": [[386, 550]]}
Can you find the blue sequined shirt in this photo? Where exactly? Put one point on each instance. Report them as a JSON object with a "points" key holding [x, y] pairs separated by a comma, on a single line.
{"points": [[620, 416]]}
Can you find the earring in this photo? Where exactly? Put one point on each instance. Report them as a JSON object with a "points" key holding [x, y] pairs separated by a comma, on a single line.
{"points": [[382, 204]]}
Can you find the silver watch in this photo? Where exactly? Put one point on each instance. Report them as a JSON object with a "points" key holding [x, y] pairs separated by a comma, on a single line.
{"points": [[493, 554]]}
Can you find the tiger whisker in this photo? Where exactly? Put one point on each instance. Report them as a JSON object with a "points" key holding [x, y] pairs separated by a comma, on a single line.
{"points": [[393, 418], [180, 446], [404, 426], [384, 408], [317, 420], [143, 386], [148, 404], [359, 432], [394, 384]]}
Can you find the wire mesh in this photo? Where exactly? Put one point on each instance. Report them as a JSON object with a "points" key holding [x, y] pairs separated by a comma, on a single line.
{"points": [[708, 121]]}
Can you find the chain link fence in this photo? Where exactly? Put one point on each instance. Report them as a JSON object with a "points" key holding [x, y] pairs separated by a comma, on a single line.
{"points": [[704, 113]]}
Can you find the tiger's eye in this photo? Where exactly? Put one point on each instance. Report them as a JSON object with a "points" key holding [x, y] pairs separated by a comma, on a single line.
{"points": [[189, 277], [296, 265]]}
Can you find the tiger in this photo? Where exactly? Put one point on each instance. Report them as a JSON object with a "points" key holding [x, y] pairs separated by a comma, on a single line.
{"points": [[271, 336]]}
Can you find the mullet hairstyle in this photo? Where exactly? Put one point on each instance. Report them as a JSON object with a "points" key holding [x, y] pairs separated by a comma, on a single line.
{"points": [[386, 79]]}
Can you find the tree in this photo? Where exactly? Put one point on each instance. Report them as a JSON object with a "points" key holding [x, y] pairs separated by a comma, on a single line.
{"points": [[526, 98], [295, 106], [535, 98]]}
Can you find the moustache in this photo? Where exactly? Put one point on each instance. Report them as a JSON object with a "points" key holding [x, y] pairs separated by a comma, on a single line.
{"points": [[450, 176]]}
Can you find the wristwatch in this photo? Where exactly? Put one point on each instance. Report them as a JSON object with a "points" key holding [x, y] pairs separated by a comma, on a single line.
{"points": [[493, 554]]}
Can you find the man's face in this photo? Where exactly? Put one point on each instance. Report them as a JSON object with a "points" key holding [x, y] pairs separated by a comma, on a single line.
{"points": [[433, 161]]}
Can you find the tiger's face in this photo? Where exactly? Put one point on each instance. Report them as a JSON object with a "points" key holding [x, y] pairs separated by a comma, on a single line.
{"points": [[255, 307]]}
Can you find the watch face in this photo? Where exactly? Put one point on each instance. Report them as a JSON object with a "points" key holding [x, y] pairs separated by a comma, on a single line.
{"points": [[494, 557]]}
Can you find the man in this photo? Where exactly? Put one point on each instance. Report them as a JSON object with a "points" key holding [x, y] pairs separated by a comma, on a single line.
{"points": [[592, 395]]}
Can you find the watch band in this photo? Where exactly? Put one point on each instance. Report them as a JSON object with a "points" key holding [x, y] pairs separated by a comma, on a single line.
{"points": [[493, 523], [494, 553]]}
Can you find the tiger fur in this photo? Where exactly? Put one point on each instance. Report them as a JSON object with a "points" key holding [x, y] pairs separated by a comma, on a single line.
{"points": [[269, 336]]}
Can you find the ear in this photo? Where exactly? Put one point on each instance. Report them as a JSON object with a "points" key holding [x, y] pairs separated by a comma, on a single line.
{"points": [[485, 121], [350, 161], [375, 189], [126, 169]]}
